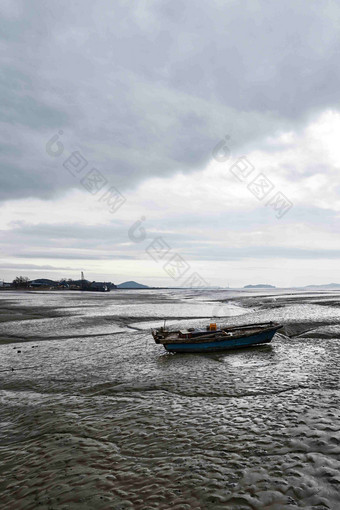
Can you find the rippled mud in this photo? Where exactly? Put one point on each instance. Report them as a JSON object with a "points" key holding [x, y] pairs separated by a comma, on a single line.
{"points": [[95, 415]]}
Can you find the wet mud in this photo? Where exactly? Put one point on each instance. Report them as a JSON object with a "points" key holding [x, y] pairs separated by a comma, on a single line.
{"points": [[95, 415]]}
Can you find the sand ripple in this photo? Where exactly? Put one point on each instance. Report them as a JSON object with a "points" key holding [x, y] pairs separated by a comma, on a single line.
{"points": [[116, 423]]}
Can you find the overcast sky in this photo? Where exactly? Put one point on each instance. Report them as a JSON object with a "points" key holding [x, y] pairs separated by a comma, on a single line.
{"points": [[214, 124]]}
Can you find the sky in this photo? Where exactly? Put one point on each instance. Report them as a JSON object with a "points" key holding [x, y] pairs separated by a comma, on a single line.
{"points": [[171, 142]]}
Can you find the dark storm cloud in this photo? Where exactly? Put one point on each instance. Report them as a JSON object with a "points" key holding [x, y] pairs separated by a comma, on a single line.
{"points": [[148, 88]]}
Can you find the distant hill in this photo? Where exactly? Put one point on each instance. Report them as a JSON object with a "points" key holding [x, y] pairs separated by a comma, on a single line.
{"points": [[325, 286], [259, 286], [132, 285]]}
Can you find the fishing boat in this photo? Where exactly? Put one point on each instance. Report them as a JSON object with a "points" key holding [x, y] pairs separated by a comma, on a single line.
{"points": [[213, 338]]}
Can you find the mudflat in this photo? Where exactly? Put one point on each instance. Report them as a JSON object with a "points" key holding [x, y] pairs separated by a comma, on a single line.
{"points": [[95, 415]]}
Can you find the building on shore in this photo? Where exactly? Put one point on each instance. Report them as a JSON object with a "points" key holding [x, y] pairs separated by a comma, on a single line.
{"points": [[99, 287]]}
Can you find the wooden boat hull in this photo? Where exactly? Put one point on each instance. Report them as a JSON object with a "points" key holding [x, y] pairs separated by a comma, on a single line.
{"points": [[223, 344]]}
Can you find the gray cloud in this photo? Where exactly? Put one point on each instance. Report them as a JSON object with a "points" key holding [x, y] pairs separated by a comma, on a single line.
{"points": [[74, 255], [111, 242], [148, 88], [5, 265]]}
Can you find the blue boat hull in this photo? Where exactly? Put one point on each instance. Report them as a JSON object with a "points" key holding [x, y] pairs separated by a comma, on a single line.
{"points": [[222, 345]]}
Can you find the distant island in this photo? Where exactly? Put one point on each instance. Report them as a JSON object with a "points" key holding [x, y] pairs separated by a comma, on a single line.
{"points": [[323, 286], [132, 285], [259, 286]]}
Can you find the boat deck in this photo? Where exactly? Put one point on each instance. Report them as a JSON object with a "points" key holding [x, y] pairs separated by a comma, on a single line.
{"points": [[222, 334]]}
